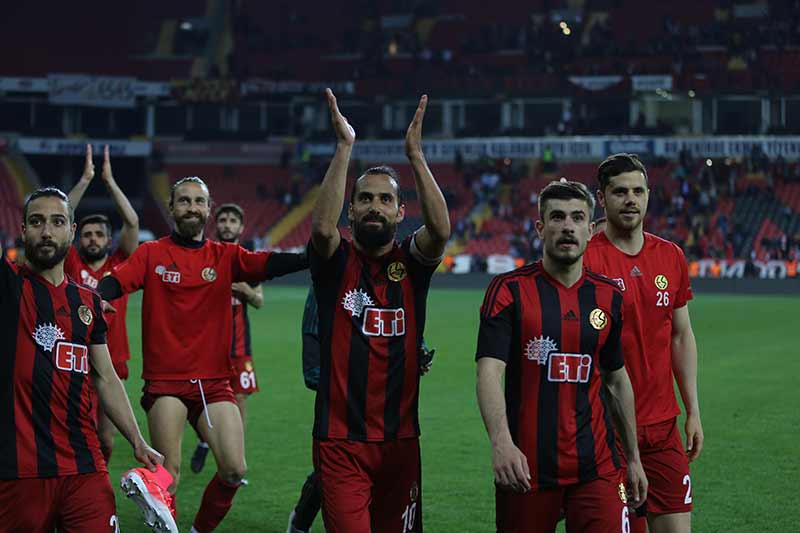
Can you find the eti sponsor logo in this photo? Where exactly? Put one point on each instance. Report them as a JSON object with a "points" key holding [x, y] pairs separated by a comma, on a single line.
{"points": [[561, 367], [88, 280], [168, 276], [68, 356], [384, 322]]}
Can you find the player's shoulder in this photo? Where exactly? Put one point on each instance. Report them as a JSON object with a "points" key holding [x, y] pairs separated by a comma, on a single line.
{"points": [[523, 273], [602, 281], [659, 245]]}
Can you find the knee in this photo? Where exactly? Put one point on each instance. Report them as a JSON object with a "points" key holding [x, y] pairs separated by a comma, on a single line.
{"points": [[233, 476]]}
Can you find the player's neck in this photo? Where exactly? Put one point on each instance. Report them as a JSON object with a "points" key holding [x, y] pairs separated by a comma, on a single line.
{"points": [[629, 242], [180, 237], [567, 275], [55, 275], [98, 264], [374, 252]]}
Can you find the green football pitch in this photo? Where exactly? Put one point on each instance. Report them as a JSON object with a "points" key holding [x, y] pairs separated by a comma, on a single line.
{"points": [[744, 481]]}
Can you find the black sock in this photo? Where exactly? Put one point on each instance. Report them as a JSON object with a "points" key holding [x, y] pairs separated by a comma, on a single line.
{"points": [[308, 506]]}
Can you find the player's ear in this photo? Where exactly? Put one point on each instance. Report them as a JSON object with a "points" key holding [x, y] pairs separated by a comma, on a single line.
{"points": [[350, 216], [401, 213], [601, 198], [539, 227]]}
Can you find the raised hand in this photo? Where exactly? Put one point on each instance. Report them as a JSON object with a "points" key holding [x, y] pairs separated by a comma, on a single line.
{"points": [[345, 134], [414, 132], [107, 175], [88, 165]]}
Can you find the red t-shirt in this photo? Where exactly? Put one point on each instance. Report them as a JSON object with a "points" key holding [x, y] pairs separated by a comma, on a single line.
{"points": [[47, 426], [186, 308], [76, 268], [654, 283]]}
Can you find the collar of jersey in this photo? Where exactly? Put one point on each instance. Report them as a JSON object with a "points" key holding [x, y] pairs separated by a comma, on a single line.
{"points": [[186, 243]]}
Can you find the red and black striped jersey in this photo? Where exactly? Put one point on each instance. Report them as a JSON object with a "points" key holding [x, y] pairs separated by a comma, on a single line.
{"points": [[371, 322], [556, 341], [76, 268], [46, 414], [241, 344]]}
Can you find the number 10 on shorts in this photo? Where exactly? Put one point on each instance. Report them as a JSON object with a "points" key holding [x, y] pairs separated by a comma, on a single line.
{"points": [[408, 517]]}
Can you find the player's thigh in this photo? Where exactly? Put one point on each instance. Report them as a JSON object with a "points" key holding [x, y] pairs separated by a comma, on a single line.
{"points": [[670, 523], [397, 489], [536, 511], [241, 403], [597, 506], [667, 469], [28, 505], [345, 485], [87, 504], [166, 420], [226, 437]]}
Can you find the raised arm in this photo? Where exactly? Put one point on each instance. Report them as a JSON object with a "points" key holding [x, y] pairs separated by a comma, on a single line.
{"points": [[77, 192], [432, 237], [116, 404], [684, 366], [621, 403], [129, 236], [509, 463], [325, 236]]}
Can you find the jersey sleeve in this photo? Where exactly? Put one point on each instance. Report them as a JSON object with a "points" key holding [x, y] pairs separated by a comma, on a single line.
{"points": [[421, 268], [496, 325], [131, 273], [611, 358], [326, 271], [100, 327], [684, 292], [8, 275], [249, 266]]}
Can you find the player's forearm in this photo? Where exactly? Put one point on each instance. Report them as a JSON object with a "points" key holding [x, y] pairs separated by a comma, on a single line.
{"points": [[255, 297], [123, 205], [325, 217], [76, 194], [623, 411], [116, 405], [684, 366], [432, 203], [492, 404]]}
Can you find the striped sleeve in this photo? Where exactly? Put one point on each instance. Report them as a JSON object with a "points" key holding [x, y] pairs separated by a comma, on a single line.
{"points": [[611, 358], [497, 319]]}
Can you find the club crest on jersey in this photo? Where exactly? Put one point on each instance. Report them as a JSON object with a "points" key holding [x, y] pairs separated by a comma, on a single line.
{"points": [[355, 301], [661, 282], [620, 283], [85, 314], [168, 276], [46, 335], [209, 274], [539, 348], [396, 271], [598, 319]]}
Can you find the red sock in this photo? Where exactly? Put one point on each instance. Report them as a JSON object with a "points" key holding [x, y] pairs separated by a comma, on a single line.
{"points": [[217, 501]]}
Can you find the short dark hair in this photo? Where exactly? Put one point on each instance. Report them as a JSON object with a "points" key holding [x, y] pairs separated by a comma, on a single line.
{"points": [[617, 164], [380, 171], [95, 219], [564, 189], [44, 192], [189, 179], [230, 208]]}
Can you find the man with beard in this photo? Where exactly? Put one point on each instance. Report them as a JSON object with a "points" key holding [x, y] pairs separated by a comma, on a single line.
{"points": [[230, 226], [658, 339], [52, 337], [93, 259], [371, 293], [186, 332], [553, 328]]}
